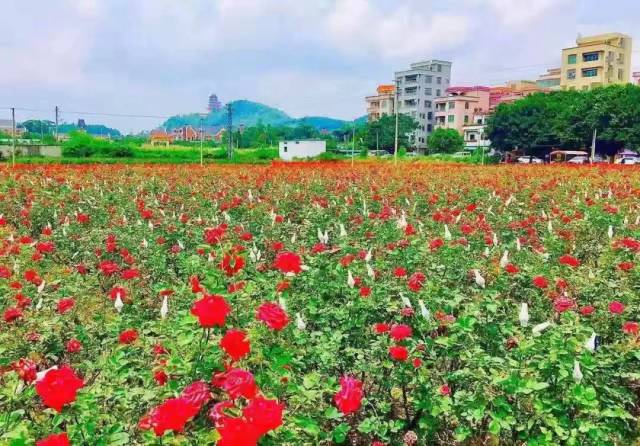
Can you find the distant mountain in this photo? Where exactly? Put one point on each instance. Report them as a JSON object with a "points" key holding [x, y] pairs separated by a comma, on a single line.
{"points": [[249, 113], [92, 129]]}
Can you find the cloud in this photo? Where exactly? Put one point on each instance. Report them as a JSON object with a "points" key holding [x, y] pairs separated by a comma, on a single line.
{"points": [[358, 27], [519, 13]]}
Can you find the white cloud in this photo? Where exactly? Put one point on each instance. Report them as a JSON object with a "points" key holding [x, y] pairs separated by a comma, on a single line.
{"points": [[358, 26], [519, 13]]}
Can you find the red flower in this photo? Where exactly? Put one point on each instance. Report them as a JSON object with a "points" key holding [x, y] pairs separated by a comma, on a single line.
{"points": [[587, 310], [417, 362], [264, 415], [237, 383], [400, 332], [630, 328], [113, 294], [511, 268], [59, 387], [436, 244], [108, 267], [625, 266], [128, 336], [273, 315], [616, 307], [349, 398], [237, 432], [197, 393], [380, 328], [211, 310], [416, 281], [11, 314], [65, 305], [160, 377], [365, 291], [540, 282], [213, 236], [73, 346], [569, 261], [26, 369], [130, 273], [399, 272], [235, 344], [563, 304], [288, 262], [398, 353], [445, 390], [171, 415], [54, 440], [231, 264]]}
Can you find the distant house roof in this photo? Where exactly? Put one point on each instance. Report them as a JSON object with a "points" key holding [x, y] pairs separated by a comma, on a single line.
{"points": [[160, 135]]}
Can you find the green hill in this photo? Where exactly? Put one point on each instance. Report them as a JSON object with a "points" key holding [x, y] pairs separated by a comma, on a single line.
{"points": [[249, 113]]}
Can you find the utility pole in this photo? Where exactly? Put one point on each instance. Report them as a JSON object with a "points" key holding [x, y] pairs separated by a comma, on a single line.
{"points": [[230, 131], [395, 146], [13, 136], [57, 113], [201, 141], [593, 145], [353, 143], [377, 140]]}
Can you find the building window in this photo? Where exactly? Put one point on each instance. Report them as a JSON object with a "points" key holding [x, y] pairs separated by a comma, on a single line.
{"points": [[427, 104], [428, 79], [621, 59], [452, 105], [451, 118], [571, 74], [438, 80], [285, 149], [428, 91], [439, 68], [466, 119], [429, 128], [590, 57], [430, 116], [620, 74], [466, 106], [572, 59], [590, 72], [438, 93]]}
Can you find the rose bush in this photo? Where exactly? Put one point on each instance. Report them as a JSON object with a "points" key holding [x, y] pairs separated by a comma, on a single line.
{"points": [[312, 303]]}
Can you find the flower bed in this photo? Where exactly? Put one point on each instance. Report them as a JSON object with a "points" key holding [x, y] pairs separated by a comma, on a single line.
{"points": [[316, 304]]}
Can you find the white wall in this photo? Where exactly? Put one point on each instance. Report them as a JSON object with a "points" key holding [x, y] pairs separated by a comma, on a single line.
{"points": [[301, 149]]}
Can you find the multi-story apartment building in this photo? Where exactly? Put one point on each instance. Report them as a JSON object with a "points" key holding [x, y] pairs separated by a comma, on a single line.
{"points": [[596, 61], [550, 80], [417, 88], [382, 104], [460, 105], [636, 78]]}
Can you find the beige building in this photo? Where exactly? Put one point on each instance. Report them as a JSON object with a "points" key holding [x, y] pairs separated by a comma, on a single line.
{"points": [[458, 108], [382, 104], [550, 80], [596, 61]]}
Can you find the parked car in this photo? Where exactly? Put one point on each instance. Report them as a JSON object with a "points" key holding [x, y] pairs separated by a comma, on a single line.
{"points": [[579, 160], [461, 154], [629, 160], [379, 153], [412, 154], [528, 160]]}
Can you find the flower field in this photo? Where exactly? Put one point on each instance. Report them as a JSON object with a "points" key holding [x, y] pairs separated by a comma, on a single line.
{"points": [[319, 304]]}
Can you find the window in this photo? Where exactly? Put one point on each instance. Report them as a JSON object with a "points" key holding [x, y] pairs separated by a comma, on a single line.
{"points": [[452, 105], [472, 137], [285, 149], [466, 106], [479, 121], [438, 80], [621, 58], [438, 93], [590, 57], [620, 74], [571, 74], [430, 116], [572, 59], [427, 104], [590, 72], [439, 68], [428, 79], [466, 119], [451, 118], [429, 128], [428, 91]]}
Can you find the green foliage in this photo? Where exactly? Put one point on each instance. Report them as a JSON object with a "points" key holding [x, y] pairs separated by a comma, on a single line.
{"points": [[445, 141], [381, 132], [568, 118], [81, 144]]}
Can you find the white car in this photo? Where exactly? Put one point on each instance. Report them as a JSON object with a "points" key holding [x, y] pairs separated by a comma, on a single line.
{"points": [[528, 160], [579, 160], [629, 160]]}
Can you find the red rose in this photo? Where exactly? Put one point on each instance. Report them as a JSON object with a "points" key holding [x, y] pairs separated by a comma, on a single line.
{"points": [[11, 314], [616, 307], [54, 440], [73, 346], [630, 328], [569, 261], [264, 415], [348, 399], [197, 393], [400, 332], [398, 353], [288, 262], [65, 305], [273, 315], [237, 383], [235, 344], [211, 310], [416, 281], [26, 369], [171, 415], [563, 304], [540, 282], [237, 432], [59, 387], [128, 336]]}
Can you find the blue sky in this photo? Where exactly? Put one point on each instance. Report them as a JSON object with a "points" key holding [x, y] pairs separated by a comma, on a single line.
{"points": [[307, 57]]}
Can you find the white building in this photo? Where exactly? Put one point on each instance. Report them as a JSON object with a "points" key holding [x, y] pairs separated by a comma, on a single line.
{"points": [[417, 88], [302, 148], [475, 136]]}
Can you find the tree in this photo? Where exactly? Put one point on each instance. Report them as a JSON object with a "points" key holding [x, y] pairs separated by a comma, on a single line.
{"points": [[381, 132], [446, 141]]}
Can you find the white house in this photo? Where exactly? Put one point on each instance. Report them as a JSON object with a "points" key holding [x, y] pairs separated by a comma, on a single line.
{"points": [[301, 148]]}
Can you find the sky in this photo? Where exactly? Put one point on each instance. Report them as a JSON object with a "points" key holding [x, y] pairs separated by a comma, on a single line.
{"points": [[306, 57]]}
